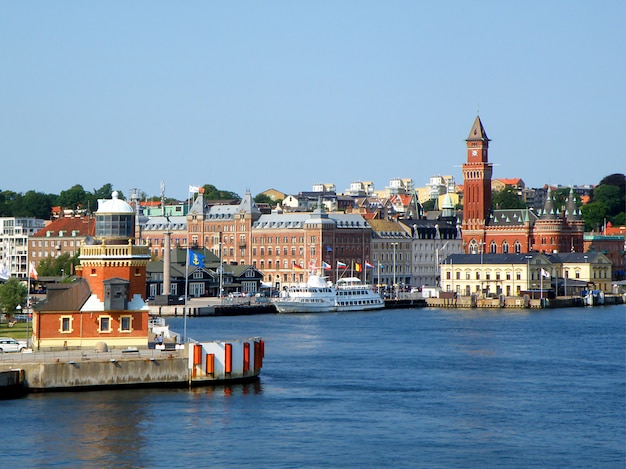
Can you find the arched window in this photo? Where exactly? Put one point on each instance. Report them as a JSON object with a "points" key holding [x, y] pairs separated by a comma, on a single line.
{"points": [[505, 247], [517, 247], [473, 247], [493, 247]]}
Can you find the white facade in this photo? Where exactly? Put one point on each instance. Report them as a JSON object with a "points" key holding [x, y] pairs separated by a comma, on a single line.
{"points": [[427, 256], [14, 233]]}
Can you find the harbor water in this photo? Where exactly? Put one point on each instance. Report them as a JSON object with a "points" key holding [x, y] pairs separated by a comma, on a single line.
{"points": [[392, 388]]}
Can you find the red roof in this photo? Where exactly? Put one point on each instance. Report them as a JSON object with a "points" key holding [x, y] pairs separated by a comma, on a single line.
{"points": [[84, 226], [150, 203], [509, 181]]}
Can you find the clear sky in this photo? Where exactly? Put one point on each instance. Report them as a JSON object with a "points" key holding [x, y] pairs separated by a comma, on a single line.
{"points": [[285, 94]]}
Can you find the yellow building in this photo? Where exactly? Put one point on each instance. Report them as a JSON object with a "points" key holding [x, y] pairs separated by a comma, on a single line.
{"points": [[513, 274]]}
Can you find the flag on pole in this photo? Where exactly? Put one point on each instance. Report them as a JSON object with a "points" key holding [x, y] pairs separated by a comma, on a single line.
{"points": [[195, 259], [297, 267], [341, 265], [194, 189], [312, 265], [544, 273], [368, 265], [357, 267], [32, 272], [326, 266]]}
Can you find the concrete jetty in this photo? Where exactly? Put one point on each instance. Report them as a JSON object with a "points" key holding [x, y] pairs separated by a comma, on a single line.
{"points": [[194, 364]]}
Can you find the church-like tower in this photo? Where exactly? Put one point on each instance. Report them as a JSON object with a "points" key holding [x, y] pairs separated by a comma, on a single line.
{"points": [[477, 173]]}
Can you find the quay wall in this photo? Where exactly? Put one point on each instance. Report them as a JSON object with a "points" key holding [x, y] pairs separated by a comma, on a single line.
{"points": [[134, 371], [515, 302], [196, 364]]}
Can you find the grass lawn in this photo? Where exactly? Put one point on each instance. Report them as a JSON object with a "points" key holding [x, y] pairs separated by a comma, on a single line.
{"points": [[18, 331]]}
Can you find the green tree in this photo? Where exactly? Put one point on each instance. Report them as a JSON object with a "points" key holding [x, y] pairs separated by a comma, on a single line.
{"points": [[73, 198], [507, 198], [33, 204], [608, 203], [265, 199], [7, 203], [63, 265], [429, 205], [12, 294], [213, 193]]}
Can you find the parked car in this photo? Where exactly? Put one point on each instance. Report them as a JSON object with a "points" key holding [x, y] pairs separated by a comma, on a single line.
{"points": [[7, 344]]}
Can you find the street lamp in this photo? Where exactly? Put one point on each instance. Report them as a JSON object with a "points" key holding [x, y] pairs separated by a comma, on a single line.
{"points": [[528, 258]]}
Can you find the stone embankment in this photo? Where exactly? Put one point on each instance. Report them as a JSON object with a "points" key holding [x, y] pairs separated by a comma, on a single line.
{"points": [[515, 302], [194, 364]]}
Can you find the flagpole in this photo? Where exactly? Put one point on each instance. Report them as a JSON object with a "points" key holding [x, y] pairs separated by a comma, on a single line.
{"points": [[186, 287], [27, 302], [186, 280]]}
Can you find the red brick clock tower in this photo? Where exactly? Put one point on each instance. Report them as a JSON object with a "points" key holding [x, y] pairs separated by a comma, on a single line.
{"points": [[477, 173]]}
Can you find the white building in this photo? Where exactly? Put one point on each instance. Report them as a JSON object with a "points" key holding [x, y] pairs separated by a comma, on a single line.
{"points": [[14, 233]]}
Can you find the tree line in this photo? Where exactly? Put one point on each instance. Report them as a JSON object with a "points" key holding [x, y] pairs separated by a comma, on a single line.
{"points": [[607, 203]]}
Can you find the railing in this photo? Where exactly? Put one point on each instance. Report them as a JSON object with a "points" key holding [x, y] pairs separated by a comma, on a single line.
{"points": [[113, 250]]}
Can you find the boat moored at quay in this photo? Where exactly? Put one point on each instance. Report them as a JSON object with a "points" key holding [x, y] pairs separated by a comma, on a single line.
{"points": [[354, 295], [315, 296], [320, 296]]}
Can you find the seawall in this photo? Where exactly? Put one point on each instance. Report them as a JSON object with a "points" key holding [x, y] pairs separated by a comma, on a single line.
{"points": [[197, 364]]}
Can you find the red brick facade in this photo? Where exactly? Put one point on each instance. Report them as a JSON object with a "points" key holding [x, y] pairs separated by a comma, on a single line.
{"points": [[556, 229]]}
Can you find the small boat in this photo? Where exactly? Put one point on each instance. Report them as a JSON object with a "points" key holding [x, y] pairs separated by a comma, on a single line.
{"points": [[593, 297], [316, 296], [354, 295]]}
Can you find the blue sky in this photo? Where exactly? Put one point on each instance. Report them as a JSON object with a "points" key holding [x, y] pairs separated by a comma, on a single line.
{"points": [[285, 94]]}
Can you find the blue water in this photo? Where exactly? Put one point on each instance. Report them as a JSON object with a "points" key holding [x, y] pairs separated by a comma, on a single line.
{"points": [[397, 388]]}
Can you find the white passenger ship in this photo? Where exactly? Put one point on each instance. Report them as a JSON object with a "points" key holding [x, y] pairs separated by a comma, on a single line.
{"points": [[316, 296], [354, 295], [319, 296]]}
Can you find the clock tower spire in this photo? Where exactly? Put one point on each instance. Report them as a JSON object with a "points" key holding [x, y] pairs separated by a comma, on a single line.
{"points": [[477, 173]]}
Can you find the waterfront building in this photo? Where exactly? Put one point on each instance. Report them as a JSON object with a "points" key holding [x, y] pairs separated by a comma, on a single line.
{"points": [[61, 236], [431, 242], [612, 246], [105, 306], [202, 280], [225, 230], [284, 246], [391, 248], [492, 274], [14, 234], [554, 229], [156, 229]]}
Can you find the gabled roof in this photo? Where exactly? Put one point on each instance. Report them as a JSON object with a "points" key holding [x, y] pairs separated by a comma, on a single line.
{"points": [[82, 226]]}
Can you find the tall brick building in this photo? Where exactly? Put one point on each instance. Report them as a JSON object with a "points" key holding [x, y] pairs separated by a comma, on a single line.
{"points": [[551, 230]]}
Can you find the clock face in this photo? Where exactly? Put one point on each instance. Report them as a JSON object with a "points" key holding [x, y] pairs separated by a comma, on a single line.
{"points": [[474, 153]]}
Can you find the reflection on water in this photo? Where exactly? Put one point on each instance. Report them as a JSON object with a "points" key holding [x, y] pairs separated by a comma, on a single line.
{"points": [[397, 388]]}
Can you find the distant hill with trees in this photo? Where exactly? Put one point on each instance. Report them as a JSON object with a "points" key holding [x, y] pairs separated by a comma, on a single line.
{"points": [[608, 203]]}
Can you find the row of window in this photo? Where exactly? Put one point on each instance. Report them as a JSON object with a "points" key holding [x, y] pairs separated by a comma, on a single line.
{"points": [[47, 243], [105, 324], [51, 254]]}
